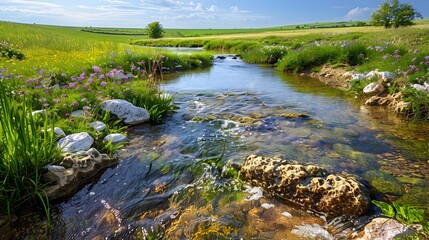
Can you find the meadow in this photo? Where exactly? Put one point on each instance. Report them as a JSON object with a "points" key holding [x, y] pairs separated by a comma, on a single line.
{"points": [[59, 70], [63, 69]]}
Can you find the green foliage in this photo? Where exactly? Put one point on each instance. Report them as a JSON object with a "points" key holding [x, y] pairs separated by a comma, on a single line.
{"points": [[8, 52], [419, 100], [405, 214], [393, 14], [264, 54], [155, 30], [26, 145]]}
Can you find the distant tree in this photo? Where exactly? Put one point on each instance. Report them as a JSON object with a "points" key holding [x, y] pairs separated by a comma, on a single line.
{"points": [[155, 30], [394, 14]]}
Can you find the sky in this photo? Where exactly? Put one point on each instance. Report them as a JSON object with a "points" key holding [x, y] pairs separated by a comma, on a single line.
{"points": [[191, 14]]}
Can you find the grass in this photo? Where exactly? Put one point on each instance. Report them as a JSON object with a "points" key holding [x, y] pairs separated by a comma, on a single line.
{"points": [[63, 70]]}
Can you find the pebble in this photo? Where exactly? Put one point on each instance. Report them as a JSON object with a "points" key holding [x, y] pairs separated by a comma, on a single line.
{"points": [[267, 205]]}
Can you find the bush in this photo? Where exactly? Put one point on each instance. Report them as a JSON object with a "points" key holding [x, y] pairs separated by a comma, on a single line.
{"points": [[8, 52]]}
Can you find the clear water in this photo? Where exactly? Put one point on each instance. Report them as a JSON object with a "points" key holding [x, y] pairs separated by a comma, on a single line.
{"points": [[173, 183]]}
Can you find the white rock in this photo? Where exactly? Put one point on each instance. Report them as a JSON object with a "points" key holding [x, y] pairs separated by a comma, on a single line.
{"points": [[59, 132], [371, 74], [387, 75], [256, 193], [98, 126], [287, 214], [386, 229], [267, 205], [123, 109], [76, 142], [358, 76], [313, 231], [419, 87], [38, 112], [115, 138], [78, 113], [372, 87]]}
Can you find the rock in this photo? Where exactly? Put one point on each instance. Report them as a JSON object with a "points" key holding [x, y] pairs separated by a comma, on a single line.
{"points": [[384, 182], [58, 132], [419, 87], [78, 113], [365, 160], [98, 126], [311, 186], [387, 75], [373, 87], [74, 172], [38, 112], [358, 77], [76, 142], [267, 205], [122, 109], [115, 138], [371, 74], [418, 196], [178, 67], [256, 193], [287, 214], [384, 228], [313, 231]]}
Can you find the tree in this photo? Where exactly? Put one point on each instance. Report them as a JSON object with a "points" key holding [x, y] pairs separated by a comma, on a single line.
{"points": [[394, 14], [155, 30]]}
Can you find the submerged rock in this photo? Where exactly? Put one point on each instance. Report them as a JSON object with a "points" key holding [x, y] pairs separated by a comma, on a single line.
{"points": [[384, 228], [312, 231], [311, 186], [384, 182], [123, 109]]}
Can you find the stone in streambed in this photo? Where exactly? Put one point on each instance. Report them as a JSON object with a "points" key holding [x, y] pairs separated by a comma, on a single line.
{"points": [[384, 182], [386, 229], [115, 138], [311, 186]]}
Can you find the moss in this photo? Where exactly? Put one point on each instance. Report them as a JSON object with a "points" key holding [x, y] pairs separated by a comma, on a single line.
{"points": [[384, 182]]}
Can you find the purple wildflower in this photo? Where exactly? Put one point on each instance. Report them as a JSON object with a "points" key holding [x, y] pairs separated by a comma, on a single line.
{"points": [[103, 83], [74, 104], [96, 69], [56, 101]]}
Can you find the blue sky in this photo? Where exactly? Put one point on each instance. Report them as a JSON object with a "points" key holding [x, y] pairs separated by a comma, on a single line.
{"points": [[190, 14]]}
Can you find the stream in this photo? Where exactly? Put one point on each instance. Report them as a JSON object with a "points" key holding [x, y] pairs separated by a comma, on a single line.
{"points": [[178, 178]]}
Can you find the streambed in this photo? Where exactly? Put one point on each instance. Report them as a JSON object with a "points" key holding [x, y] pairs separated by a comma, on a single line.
{"points": [[177, 180]]}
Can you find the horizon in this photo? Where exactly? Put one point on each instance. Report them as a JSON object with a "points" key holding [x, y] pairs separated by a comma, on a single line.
{"points": [[202, 14]]}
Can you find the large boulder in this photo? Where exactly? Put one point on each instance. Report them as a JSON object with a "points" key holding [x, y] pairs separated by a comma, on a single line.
{"points": [[122, 109], [386, 229], [310, 186], [76, 142]]}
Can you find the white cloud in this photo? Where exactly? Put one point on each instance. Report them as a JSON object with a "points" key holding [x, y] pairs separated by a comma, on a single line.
{"points": [[114, 1], [234, 9], [356, 13], [33, 3], [212, 8]]}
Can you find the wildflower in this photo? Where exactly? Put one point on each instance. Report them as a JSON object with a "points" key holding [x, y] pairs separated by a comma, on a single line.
{"points": [[385, 57], [141, 62], [413, 60], [20, 76], [72, 119], [86, 108], [90, 80], [67, 115], [46, 105], [103, 83], [96, 69], [84, 100], [85, 86], [416, 51], [72, 85], [370, 48], [73, 78], [56, 101], [101, 76], [40, 72], [427, 58], [82, 77], [38, 87], [20, 93], [64, 95], [42, 100], [47, 91], [74, 104], [397, 51], [133, 67]]}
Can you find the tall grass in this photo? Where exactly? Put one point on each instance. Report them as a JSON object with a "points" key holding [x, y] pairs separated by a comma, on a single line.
{"points": [[26, 146]]}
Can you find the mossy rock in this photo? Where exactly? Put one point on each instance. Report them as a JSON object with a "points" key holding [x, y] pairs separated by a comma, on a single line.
{"points": [[365, 160], [291, 115], [417, 197], [384, 182], [203, 119]]}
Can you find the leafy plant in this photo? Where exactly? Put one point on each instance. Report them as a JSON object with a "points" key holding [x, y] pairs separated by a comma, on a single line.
{"points": [[405, 214]]}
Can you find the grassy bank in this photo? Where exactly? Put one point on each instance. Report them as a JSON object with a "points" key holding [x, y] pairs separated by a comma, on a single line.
{"points": [[403, 51], [59, 70]]}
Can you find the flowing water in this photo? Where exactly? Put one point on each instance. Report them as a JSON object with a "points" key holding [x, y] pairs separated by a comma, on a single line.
{"points": [[178, 179]]}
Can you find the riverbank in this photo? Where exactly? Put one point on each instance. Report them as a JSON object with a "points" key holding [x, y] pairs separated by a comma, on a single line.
{"points": [[402, 52]]}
